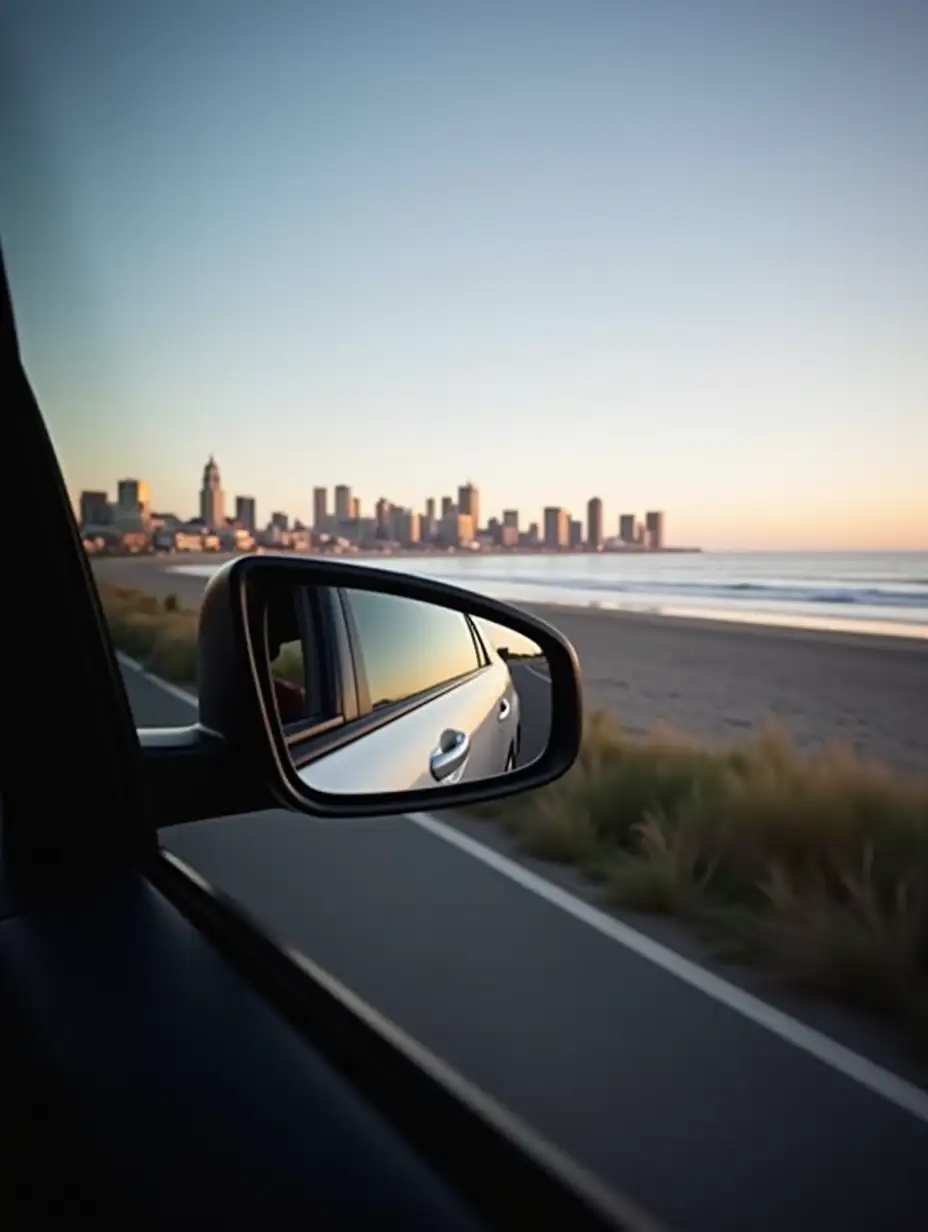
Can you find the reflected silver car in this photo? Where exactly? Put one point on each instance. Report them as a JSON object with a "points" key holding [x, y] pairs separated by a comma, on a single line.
{"points": [[422, 698]]}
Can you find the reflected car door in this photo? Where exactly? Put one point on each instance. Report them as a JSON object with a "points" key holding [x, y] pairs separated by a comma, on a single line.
{"points": [[424, 672]]}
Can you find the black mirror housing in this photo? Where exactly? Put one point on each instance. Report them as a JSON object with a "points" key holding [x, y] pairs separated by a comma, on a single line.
{"points": [[237, 697]]}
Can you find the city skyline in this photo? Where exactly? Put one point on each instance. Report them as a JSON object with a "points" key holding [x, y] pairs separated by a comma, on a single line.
{"points": [[557, 524], [675, 253]]}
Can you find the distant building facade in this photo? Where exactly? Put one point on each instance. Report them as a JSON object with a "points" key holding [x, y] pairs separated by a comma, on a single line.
{"points": [[342, 502], [627, 528], [320, 510], [654, 528], [212, 500], [133, 505], [95, 509], [469, 504], [556, 527], [594, 523], [246, 513]]}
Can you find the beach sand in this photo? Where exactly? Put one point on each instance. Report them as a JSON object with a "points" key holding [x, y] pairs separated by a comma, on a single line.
{"points": [[709, 679]]}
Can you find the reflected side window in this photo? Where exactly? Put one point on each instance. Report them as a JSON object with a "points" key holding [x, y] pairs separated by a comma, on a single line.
{"points": [[300, 652], [409, 647]]}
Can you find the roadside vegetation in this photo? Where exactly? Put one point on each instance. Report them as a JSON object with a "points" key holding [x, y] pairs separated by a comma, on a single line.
{"points": [[814, 867], [161, 635]]}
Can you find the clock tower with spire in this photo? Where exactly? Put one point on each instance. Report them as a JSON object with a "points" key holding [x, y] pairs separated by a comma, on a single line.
{"points": [[212, 503]]}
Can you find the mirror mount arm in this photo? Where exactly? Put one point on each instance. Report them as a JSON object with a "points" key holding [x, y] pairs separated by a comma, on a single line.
{"points": [[193, 773]]}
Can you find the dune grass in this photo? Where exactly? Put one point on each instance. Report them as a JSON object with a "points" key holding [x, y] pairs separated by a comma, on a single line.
{"points": [[160, 633], [815, 867]]}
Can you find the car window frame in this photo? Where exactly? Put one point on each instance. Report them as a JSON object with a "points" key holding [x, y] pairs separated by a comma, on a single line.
{"points": [[334, 686]]}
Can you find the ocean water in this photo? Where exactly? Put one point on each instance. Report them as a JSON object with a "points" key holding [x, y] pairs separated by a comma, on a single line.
{"points": [[865, 592]]}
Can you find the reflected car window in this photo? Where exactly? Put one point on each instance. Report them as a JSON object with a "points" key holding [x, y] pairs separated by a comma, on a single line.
{"points": [[409, 647]]}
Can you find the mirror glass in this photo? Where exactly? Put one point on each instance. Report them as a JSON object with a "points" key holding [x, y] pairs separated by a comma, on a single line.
{"points": [[379, 693]]}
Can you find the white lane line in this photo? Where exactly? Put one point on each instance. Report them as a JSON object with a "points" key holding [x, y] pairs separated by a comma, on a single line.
{"points": [[823, 1048], [881, 1081], [182, 695]]}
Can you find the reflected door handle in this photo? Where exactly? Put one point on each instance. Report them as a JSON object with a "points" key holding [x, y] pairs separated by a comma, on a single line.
{"points": [[450, 754], [505, 709]]}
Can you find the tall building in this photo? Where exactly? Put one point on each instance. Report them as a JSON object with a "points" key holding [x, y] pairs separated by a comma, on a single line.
{"points": [[469, 504], [575, 533], [279, 520], [212, 501], [355, 506], [654, 525], [383, 518], [407, 526], [133, 504], [95, 509], [594, 524], [429, 525], [457, 530], [557, 527], [343, 502], [246, 512], [447, 507], [511, 518], [627, 528], [320, 510]]}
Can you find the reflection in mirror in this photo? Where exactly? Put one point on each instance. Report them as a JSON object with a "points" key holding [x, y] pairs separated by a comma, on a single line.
{"points": [[287, 660], [426, 696]]}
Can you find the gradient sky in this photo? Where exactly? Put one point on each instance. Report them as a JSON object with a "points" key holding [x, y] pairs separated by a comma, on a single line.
{"points": [[674, 254]]}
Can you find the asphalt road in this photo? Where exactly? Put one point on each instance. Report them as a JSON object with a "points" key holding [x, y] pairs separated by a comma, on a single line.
{"points": [[533, 686], [670, 1091]]}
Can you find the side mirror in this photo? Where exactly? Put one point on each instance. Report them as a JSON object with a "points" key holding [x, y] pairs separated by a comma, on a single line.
{"points": [[356, 692]]}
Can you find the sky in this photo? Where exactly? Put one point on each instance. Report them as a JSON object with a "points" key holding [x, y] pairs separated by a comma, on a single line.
{"points": [[671, 254]]}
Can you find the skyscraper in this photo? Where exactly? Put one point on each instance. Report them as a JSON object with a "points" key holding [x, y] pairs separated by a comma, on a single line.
{"points": [[212, 501], [469, 504], [654, 524], [594, 523], [133, 504], [95, 509], [557, 527], [383, 518], [343, 502], [246, 512], [627, 528], [429, 525], [320, 509]]}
